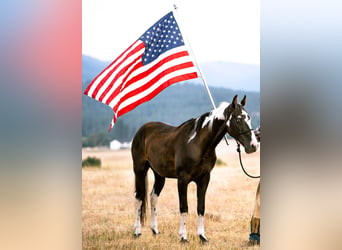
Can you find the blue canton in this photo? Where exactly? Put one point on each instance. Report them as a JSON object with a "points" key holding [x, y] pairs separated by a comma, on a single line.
{"points": [[161, 37]]}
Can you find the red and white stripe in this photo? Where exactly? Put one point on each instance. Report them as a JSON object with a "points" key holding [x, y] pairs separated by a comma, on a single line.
{"points": [[126, 82]]}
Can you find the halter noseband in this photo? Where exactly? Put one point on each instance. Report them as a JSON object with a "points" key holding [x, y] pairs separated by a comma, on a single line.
{"points": [[246, 131]]}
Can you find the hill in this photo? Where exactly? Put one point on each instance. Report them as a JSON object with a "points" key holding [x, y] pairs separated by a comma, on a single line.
{"points": [[237, 76]]}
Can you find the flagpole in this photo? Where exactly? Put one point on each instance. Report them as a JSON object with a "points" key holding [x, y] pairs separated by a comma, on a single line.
{"points": [[197, 65]]}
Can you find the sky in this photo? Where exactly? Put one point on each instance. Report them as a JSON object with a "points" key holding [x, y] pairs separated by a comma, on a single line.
{"points": [[217, 30]]}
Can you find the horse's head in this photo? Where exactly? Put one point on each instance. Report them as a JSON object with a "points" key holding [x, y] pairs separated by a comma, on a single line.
{"points": [[239, 125]]}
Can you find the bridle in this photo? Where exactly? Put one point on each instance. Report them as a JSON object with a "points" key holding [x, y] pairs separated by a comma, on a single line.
{"points": [[239, 151]]}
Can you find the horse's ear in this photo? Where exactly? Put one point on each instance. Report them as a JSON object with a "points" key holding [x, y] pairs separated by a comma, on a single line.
{"points": [[243, 101], [234, 102]]}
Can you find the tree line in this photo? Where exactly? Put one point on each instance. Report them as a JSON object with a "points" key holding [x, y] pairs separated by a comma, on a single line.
{"points": [[174, 105]]}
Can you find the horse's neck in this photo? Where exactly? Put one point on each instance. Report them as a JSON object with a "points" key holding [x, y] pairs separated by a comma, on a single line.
{"points": [[210, 128], [214, 136], [217, 137]]}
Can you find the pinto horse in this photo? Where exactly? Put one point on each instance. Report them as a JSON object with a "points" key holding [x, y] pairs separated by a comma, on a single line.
{"points": [[186, 152]]}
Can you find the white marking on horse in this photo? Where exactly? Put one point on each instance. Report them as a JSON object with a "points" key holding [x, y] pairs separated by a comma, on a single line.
{"points": [[182, 227], [137, 224], [192, 136], [154, 200], [200, 225], [254, 141], [228, 122], [194, 133], [217, 113]]}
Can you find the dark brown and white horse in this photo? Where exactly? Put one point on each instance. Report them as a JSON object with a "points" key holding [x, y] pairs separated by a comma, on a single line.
{"points": [[186, 152]]}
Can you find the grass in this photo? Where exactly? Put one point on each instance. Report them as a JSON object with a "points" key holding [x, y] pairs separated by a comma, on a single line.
{"points": [[108, 211]]}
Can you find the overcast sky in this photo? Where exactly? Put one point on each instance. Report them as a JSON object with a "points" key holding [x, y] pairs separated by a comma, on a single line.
{"points": [[225, 30]]}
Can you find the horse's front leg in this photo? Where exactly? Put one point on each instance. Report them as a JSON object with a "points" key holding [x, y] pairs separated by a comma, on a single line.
{"points": [[202, 184], [183, 207]]}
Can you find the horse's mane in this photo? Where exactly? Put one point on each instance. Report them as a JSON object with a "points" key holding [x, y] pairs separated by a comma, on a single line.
{"points": [[192, 120], [194, 124]]}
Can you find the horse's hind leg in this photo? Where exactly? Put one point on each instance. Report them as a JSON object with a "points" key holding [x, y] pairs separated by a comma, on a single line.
{"points": [[140, 172], [157, 188]]}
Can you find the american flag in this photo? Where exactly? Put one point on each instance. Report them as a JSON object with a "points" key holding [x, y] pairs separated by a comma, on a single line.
{"points": [[156, 60]]}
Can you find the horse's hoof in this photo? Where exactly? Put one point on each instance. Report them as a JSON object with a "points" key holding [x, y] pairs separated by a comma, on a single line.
{"points": [[154, 231], [137, 235], [254, 239], [253, 242], [184, 240], [203, 239]]}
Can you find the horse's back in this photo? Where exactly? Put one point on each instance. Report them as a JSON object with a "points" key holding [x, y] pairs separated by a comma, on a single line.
{"points": [[151, 129], [152, 133]]}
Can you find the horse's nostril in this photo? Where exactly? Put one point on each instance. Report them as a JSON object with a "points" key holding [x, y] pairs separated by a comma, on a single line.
{"points": [[254, 147]]}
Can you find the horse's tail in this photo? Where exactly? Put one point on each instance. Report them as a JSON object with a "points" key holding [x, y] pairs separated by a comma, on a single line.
{"points": [[141, 167]]}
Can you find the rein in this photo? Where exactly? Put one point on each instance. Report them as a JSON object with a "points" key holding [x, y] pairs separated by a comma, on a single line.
{"points": [[243, 169]]}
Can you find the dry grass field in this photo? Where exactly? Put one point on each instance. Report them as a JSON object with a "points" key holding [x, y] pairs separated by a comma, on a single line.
{"points": [[108, 212]]}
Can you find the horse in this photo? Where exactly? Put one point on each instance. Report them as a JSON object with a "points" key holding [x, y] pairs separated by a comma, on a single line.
{"points": [[186, 152]]}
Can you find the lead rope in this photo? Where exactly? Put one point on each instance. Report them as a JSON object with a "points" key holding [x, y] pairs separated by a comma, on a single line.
{"points": [[239, 151]]}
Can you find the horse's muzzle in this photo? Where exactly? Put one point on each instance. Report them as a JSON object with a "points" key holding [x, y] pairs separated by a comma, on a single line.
{"points": [[252, 148]]}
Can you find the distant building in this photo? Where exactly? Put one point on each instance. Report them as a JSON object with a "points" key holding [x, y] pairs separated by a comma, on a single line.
{"points": [[115, 145], [126, 145]]}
